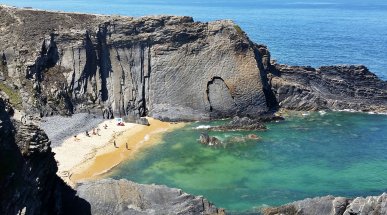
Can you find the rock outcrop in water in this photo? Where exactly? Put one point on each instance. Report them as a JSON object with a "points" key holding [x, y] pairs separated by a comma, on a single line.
{"points": [[330, 205], [328, 87]]}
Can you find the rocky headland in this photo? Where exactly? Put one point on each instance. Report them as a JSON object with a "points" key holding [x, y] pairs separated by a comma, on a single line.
{"points": [[167, 67]]}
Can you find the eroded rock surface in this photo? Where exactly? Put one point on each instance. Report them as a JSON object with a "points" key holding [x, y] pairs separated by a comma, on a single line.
{"points": [[28, 180], [328, 87], [110, 196], [167, 67], [330, 205]]}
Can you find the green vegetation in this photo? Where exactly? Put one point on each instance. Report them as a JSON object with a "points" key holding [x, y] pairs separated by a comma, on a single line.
{"points": [[239, 30], [13, 94]]}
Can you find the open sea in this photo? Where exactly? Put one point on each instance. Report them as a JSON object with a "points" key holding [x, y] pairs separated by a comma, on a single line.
{"points": [[297, 32], [335, 153]]}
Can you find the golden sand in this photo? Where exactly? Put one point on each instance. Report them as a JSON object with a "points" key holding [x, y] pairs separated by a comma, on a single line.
{"points": [[137, 138]]}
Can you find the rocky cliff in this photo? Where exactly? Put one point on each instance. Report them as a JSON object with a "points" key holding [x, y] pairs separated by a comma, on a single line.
{"points": [[167, 67], [161, 66], [328, 87], [28, 180], [125, 197], [330, 205]]}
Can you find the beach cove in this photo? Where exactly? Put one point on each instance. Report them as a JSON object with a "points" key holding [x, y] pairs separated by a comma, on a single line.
{"points": [[82, 157]]}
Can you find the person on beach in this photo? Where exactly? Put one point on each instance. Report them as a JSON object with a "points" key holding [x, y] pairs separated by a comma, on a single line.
{"points": [[105, 126], [94, 132], [114, 142], [98, 131], [76, 138], [127, 146], [87, 134]]}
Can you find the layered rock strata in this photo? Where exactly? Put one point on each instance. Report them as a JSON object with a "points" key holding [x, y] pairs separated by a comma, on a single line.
{"points": [[110, 196], [167, 67], [328, 87], [330, 205]]}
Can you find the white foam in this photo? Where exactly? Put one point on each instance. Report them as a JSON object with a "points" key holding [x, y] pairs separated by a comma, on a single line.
{"points": [[322, 113], [203, 127]]}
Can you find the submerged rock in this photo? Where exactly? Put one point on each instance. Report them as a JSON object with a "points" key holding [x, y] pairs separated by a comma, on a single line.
{"points": [[209, 140], [242, 139]]}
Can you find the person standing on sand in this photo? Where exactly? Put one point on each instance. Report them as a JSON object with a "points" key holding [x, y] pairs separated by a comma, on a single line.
{"points": [[114, 142], [127, 146]]}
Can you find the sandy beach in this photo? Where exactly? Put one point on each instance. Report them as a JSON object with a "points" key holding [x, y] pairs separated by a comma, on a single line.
{"points": [[88, 157]]}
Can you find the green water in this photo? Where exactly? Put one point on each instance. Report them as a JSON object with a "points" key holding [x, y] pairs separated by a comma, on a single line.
{"points": [[337, 153]]}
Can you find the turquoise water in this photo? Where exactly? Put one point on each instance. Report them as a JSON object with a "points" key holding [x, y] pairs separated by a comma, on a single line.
{"points": [[341, 154], [315, 33]]}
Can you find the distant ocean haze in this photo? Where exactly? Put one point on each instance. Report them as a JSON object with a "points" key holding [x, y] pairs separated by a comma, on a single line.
{"points": [[314, 33]]}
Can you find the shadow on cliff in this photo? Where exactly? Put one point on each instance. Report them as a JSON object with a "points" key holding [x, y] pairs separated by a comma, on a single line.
{"points": [[28, 180], [262, 56], [71, 204]]}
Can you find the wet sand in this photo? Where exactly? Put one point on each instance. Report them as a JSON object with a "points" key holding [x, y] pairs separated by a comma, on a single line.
{"points": [[137, 137]]}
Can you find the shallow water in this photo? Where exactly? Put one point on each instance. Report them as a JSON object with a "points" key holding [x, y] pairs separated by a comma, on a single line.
{"points": [[297, 32], [305, 156]]}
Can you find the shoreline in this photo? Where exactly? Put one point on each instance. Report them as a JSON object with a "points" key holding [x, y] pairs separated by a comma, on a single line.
{"points": [[87, 158]]}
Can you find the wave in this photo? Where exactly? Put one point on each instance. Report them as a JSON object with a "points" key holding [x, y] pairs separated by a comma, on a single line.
{"points": [[357, 111], [203, 127]]}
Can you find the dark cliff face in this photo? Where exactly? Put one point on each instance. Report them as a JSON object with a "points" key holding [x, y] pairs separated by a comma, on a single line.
{"points": [[164, 66], [28, 180], [27, 168]]}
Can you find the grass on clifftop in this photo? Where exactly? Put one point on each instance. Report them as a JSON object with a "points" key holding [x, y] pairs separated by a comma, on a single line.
{"points": [[13, 94], [239, 30]]}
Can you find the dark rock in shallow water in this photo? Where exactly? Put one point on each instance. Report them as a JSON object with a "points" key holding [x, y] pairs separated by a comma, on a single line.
{"points": [[110, 196], [243, 123], [209, 140]]}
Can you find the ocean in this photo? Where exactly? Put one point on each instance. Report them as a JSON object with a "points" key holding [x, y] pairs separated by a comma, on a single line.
{"points": [[297, 32], [338, 153]]}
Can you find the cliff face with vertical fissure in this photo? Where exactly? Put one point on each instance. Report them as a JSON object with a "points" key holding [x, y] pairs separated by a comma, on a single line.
{"points": [[166, 67], [158, 66]]}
